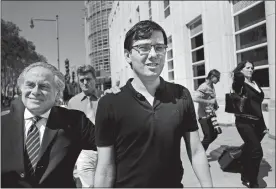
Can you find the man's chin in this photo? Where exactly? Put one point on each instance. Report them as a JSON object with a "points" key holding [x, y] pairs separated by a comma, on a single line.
{"points": [[34, 106]]}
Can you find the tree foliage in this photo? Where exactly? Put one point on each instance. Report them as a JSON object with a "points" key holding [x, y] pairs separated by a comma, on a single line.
{"points": [[16, 52], [15, 49]]}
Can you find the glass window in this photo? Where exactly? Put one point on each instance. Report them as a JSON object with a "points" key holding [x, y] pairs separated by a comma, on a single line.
{"points": [[196, 24], [198, 55], [170, 54], [199, 70], [167, 8], [250, 17], [252, 37], [170, 41], [261, 76], [198, 82], [197, 41], [258, 56], [166, 3], [170, 65], [171, 75], [167, 12], [196, 36]]}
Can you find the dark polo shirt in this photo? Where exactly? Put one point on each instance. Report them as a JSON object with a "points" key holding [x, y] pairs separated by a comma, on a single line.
{"points": [[146, 138]]}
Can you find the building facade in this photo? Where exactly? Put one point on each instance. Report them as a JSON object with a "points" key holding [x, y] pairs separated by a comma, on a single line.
{"points": [[204, 35], [97, 40]]}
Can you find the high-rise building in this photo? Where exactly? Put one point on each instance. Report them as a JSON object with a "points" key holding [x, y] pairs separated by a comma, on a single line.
{"points": [[204, 35], [97, 40]]}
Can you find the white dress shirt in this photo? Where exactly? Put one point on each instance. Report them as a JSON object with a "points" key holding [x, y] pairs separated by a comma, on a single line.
{"points": [[41, 124]]}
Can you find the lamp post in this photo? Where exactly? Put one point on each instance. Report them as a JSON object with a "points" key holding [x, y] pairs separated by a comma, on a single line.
{"points": [[51, 20]]}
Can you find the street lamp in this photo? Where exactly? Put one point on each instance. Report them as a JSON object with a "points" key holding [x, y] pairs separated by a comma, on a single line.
{"points": [[56, 20]]}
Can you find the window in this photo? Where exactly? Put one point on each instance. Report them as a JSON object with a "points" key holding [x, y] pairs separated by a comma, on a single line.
{"points": [[167, 11], [251, 37], [170, 60], [197, 52], [150, 13]]}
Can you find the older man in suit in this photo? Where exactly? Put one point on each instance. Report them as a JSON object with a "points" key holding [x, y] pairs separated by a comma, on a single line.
{"points": [[40, 142]]}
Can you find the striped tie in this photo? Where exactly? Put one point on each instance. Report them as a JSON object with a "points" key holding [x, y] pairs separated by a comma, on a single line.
{"points": [[33, 145]]}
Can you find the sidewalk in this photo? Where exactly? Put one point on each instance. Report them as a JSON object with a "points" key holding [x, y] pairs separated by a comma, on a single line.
{"points": [[230, 137]]}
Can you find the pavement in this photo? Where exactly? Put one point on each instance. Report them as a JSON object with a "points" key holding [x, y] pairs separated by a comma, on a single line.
{"points": [[221, 179]]}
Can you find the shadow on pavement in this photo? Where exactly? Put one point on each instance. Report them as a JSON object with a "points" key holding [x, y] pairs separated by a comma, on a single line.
{"points": [[265, 167]]}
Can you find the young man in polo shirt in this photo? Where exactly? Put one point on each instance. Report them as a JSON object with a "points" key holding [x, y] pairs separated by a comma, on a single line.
{"points": [[139, 130]]}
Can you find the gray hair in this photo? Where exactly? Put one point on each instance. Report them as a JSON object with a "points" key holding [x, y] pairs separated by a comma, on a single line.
{"points": [[58, 76]]}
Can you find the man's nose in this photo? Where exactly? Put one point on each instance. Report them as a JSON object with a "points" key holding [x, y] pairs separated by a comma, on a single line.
{"points": [[35, 90], [152, 52], [84, 81]]}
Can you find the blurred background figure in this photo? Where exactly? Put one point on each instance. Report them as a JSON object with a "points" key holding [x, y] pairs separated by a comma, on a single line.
{"points": [[87, 102], [205, 96]]}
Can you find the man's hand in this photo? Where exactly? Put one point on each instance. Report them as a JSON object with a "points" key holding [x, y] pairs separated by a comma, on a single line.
{"points": [[113, 90], [212, 101]]}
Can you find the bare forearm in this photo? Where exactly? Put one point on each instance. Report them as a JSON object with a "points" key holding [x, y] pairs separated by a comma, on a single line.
{"points": [[201, 168], [200, 100], [104, 176]]}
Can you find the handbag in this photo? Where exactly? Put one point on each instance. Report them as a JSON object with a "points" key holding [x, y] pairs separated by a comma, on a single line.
{"points": [[230, 159], [235, 103]]}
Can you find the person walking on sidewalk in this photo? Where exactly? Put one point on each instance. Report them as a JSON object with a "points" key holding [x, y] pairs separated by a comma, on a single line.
{"points": [[205, 96], [87, 102], [250, 123], [139, 130]]}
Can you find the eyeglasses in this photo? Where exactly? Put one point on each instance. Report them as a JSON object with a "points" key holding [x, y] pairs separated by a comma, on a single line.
{"points": [[145, 49]]}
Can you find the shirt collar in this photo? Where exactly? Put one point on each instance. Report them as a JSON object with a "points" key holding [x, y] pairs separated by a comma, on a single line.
{"points": [[29, 115], [83, 96], [160, 89]]}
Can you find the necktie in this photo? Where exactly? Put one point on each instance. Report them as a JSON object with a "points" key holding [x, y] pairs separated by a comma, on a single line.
{"points": [[33, 145]]}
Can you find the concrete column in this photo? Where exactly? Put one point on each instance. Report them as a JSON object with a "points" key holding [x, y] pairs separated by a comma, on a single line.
{"points": [[270, 25]]}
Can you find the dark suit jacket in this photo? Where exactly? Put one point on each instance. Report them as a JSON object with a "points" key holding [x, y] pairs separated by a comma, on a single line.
{"points": [[67, 132]]}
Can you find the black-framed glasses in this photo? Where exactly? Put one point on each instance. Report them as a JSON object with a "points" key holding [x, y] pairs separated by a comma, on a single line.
{"points": [[145, 49]]}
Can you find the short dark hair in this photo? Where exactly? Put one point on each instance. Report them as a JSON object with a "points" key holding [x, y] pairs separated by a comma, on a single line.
{"points": [[213, 72], [142, 30], [241, 65], [84, 69]]}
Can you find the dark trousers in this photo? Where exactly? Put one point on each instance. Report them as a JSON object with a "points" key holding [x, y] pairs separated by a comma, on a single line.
{"points": [[208, 130], [251, 131]]}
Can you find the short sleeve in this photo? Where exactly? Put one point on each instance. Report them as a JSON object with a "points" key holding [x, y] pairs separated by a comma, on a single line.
{"points": [[105, 122], [189, 116], [201, 90]]}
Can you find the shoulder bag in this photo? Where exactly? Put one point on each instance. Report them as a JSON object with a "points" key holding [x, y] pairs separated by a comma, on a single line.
{"points": [[234, 103]]}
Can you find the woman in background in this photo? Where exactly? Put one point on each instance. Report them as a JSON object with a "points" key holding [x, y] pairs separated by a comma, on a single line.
{"points": [[250, 123]]}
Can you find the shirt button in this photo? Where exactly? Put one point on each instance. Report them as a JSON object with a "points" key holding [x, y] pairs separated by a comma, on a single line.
{"points": [[22, 175], [139, 95]]}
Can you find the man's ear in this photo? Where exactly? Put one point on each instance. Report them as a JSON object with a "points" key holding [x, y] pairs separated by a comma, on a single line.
{"points": [[127, 56]]}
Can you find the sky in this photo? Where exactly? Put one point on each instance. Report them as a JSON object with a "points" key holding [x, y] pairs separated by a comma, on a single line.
{"points": [[43, 35]]}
